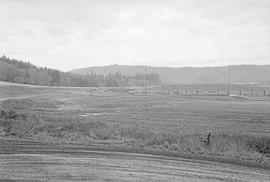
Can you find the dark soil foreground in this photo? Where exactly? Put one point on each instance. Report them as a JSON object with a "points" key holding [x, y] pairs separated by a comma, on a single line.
{"points": [[27, 160]]}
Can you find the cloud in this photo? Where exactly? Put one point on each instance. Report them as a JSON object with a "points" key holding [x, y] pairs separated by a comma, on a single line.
{"points": [[159, 33]]}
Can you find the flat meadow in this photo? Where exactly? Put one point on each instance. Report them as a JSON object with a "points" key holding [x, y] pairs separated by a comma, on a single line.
{"points": [[212, 125]]}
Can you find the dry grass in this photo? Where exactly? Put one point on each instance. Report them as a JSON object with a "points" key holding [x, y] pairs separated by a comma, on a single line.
{"points": [[242, 146]]}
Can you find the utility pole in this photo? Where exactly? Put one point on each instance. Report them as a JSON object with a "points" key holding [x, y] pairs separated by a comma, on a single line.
{"points": [[229, 81], [180, 76], [145, 80]]}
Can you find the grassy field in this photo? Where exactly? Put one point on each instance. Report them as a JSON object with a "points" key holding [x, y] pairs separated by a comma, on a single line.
{"points": [[224, 126]]}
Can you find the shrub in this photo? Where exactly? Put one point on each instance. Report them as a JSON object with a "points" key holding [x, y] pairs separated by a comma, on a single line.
{"points": [[260, 144]]}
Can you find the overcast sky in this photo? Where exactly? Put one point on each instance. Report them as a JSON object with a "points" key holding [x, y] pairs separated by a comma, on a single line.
{"points": [[68, 34]]}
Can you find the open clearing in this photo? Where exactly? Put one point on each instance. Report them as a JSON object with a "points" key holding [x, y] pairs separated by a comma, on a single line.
{"points": [[239, 127]]}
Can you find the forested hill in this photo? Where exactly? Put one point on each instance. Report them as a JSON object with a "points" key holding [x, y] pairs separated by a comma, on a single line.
{"points": [[240, 74], [12, 70]]}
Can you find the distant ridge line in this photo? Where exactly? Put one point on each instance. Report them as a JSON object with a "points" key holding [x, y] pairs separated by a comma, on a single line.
{"points": [[244, 73]]}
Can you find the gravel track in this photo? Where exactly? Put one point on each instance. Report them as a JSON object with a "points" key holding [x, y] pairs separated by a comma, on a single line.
{"points": [[25, 160]]}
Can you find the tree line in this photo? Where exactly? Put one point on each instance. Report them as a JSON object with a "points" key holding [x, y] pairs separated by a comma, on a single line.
{"points": [[12, 70]]}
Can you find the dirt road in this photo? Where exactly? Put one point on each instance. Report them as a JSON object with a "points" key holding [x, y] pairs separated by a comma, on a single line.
{"points": [[22, 160]]}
